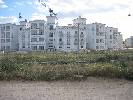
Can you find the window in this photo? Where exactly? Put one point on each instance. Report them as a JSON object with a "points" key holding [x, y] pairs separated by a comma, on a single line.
{"points": [[68, 41], [2, 40], [60, 34], [51, 35], [82, 40], [51, 27], [41, 24], [41, 32], [23, 45], [97, 40], [41, 39], [76, 42], [60, 39], [68, 47], [33, 32], [82, 34], [3, 28], [102, 47], [101, 33], [60, 46], [7, 34], [2, 47], [82, 46], [34, 47], [41, 47], [51, 40], [110, 36], [7, 28], [33, 39], [76, 32], [97, 33], [7, 40], [97, 47], [68, 34], [33, 25], [7, 47], [50, 46], [101, 41], [97, 29], [3, 35]]}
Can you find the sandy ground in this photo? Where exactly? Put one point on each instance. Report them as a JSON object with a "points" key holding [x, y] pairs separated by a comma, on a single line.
{"points": [[91, 89]]}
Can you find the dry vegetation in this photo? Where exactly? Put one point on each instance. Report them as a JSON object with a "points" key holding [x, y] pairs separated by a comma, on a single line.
{"points": [[66, 66]]}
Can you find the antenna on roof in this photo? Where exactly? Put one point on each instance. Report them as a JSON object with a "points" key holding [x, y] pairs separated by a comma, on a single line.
{"points": [[20, 16], [50, 10], [129, 14]]}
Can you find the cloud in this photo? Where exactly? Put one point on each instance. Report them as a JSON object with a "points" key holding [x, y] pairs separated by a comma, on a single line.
{"points": [[9, 19], [38, 16], [1, 1], [2, 4]]}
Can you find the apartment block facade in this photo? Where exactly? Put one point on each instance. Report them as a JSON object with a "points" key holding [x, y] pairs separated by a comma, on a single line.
{"points": [[40, 35]]}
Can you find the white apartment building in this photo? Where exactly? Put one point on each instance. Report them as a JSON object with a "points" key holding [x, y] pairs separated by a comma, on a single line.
{"points": [[8, 37], [96, 36], [40, 35], [114, 39], [24, 36], [72, 37], [129, 42]]}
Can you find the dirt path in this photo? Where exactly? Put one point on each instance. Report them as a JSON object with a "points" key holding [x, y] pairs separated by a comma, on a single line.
{"points": [[91, 89]]}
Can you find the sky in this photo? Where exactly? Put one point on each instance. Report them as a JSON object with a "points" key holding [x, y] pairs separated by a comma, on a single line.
{"points": [[113, 13]]}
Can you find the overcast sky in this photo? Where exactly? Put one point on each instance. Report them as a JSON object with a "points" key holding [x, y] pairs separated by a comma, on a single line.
{"points": [[113, 13]]}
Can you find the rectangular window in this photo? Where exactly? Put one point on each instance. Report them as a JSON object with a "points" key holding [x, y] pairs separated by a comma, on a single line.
{"points": [[3, 28], [3, 35], [7, 34], [101, 41], [60, 46], [41, 25], [41, 47], [7, 47], [102, 47], [97, 47], [41, 39], [33, 25], [51, 35], [7, 40], [110, 36], [76, 42], [82, 34], [97, 40], [3, 48], [51, 27], [33, 32], [51, 40], [2, 40], [101, 33], [33, 39], [68, 41], [97, 33], [7, 28], [76, 32], [34, 47], [23, 45], [41, 32]]}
